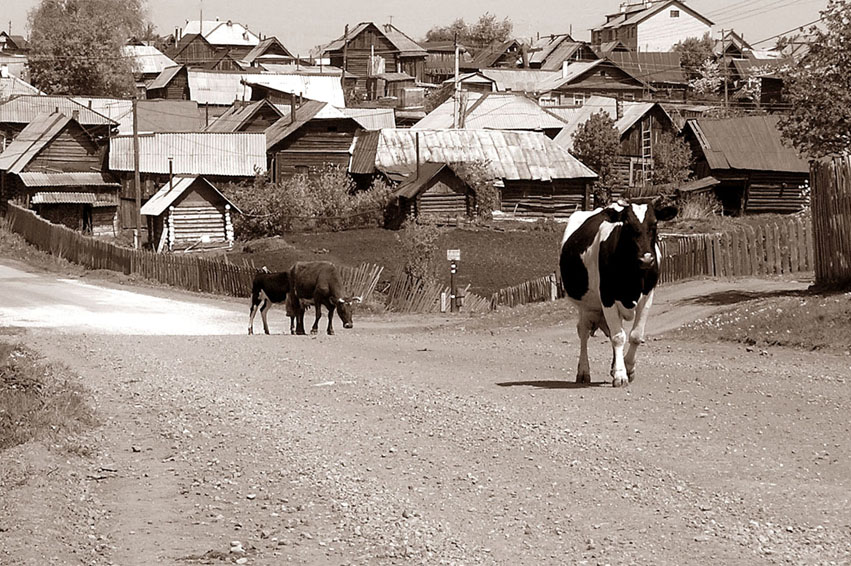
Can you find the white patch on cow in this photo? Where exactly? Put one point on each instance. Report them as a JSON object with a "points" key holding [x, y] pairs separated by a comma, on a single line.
{"points": [[640, 211], [263, 296], [576, 220]]}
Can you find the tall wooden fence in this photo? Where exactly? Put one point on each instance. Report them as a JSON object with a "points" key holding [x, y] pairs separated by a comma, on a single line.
{"points": [[831, 205], [188, 272], [778, 248]]}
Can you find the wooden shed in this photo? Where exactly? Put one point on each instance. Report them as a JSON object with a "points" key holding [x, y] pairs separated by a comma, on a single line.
{"points": [[55, 167], [435, 189], [581, 80], [189, 213], [756, 171]]}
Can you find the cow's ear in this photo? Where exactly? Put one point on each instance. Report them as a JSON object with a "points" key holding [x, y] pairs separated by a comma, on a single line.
{"points": [[613, 214], [664, 210]]}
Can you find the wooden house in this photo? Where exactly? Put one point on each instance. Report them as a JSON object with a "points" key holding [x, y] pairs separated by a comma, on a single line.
{"points": [[54, 166], [603, 77], [440, 61], [189, 212], [225, 35], [254, 116], [652, 25], [535, 176], [661, 70], [269, 51], [552, 51], [314, 136], [221, 157], [433, 189], [756, 171], [509, 54], [19, 111], [193, 50], [13, 44], [171, 84], [389, 85], [369, 49]]}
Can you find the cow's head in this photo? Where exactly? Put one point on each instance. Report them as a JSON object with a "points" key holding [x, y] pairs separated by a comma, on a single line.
{"points": [[638, 237], [344, 309]]}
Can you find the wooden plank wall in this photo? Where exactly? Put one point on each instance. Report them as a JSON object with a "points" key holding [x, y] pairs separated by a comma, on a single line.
{"points": [[831, 206]]}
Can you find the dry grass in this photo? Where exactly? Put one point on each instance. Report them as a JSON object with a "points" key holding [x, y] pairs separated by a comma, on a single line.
{"points": [[38, 401], [808, 321]]}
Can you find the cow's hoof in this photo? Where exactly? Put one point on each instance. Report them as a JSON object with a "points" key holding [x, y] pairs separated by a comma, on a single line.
{"points": [[621, 381], [266, 331], [583, 378], [250, 332], [631, 375], [313, 332], [330, 333]]}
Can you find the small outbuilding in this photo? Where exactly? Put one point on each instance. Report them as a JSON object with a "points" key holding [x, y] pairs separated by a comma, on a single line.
{"points": [[436, 190], [190, 213]]}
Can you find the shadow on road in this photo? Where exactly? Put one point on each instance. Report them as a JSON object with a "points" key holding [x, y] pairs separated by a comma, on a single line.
{"points": [[552, 384], [734, 296]]}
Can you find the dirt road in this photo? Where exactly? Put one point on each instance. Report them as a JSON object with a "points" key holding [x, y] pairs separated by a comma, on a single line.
{"points": [[423, 440]]}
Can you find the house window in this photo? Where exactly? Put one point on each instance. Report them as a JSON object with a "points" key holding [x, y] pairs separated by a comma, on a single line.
{"points": [[675, 13], [578, 98], [301, 170], [628, 96]]}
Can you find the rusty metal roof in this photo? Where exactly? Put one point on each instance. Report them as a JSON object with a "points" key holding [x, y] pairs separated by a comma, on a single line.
{"points": [[26, 108], [651, 67], [73, 179], [745, 143], [514, 155], [194, 153]]}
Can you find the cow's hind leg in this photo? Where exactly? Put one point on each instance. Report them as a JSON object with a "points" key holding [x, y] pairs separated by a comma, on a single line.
{"points": [[618, 339], [331, 320], [315, 329], [267, 304], [251, 313], [583, 328], [636, 335]]}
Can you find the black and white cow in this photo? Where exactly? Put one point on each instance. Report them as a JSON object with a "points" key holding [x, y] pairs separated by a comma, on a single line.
{"points": [[610, 261], [319, 282], [268, 289]]}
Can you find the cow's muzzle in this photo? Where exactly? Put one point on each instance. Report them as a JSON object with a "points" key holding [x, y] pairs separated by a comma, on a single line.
{"points": [[647, 261], [348, 325]]}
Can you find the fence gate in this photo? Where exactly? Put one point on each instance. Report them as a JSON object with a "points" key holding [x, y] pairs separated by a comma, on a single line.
{"points": [[830, 180]]}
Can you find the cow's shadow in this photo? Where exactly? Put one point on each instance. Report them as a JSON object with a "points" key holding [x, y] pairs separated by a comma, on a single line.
{"points": [[723, 298], [553, 384]]}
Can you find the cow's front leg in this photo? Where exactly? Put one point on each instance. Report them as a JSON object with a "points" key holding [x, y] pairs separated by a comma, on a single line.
{"points": [[331, 320], [263, 310], [618, 338], [318, 305], [636, 335], [583, 328]]}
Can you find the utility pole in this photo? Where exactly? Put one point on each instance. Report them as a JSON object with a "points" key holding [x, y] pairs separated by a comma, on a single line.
{"points": [[345, 51], [136, 180], [456, 108], [724, 63]]}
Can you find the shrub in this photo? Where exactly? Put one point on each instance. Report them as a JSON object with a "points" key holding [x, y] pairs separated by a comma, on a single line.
{"points": [[699, 207], [477, 174], [417, 238], [325, 201]]}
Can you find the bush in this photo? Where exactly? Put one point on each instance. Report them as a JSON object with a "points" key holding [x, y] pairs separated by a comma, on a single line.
{"points": [[477, 174], [325, 201], [699, 207], [417, 238]]}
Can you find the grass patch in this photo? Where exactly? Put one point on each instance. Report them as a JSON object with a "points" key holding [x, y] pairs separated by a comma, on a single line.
{"points": [[38, 401], [808, 321], [14, 246]]}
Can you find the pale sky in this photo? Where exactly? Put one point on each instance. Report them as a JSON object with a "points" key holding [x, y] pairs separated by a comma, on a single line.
{"points": [[302, 25]]}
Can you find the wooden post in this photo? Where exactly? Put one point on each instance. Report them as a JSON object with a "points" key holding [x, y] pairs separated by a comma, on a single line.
{"points": [[136, 177], [228, 226], [171, 228]]}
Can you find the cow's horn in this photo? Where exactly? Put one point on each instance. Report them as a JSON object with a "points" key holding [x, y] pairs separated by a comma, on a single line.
{"points": [[357, 299], [341, 301]]}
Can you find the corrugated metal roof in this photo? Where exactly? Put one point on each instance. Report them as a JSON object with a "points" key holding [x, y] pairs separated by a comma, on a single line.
{"points": [[410, 187], [24, 109], [365, 147], [494, 111], [575, 117], [492, 53], [74, 179], [322, 87], [746, 143], [519, 80], [560, 54], [394, 77], [148, 59], [634, 17], [61, 197], [651, 67], [195, 153], [238, 114], [405, 45], [169, 193], [372, 118], [32, 139], [509, 155], [155, 115], [542, 47], [574, 70], [13, 86], [222, 88]]}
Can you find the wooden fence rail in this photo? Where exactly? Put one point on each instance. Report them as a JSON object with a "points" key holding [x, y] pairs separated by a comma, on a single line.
{"points": [[182, 271]]}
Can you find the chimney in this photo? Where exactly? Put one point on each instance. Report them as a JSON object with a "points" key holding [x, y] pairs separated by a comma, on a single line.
{"points": [[564, 69], [75, 114], [388, 28], [4, 71], [619, 108]]}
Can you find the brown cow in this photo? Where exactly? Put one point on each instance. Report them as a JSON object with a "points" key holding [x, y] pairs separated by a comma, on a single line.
{"points": [[320, 282]]}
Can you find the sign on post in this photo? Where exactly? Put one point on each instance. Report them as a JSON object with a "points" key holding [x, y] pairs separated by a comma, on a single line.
{"points": [[453, 255]]}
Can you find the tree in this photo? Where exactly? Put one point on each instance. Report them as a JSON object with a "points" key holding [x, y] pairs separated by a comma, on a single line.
{"points": [[709, 80], [76, 45], [597, 144], [694, 53], [819, 89], [487, 29], [672, 159]]}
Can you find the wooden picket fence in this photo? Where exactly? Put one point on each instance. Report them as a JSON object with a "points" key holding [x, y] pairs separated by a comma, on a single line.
{"points": [[188, 272], [831, 202], [408, 294], [779, 248]]}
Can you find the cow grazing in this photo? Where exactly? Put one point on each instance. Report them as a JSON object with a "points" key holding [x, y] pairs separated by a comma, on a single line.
{"points": [[610, 261], [320, 282], [268, 289]]}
